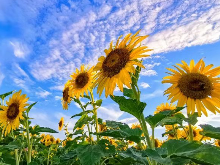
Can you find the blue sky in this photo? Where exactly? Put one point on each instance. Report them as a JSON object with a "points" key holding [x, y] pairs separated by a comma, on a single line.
{"points": [[42, 42]]}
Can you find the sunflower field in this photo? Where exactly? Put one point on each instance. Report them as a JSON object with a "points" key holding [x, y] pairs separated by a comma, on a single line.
{"points": [[93, 141]]}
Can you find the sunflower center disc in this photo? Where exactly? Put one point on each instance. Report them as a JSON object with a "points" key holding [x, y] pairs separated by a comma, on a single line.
{"points": [[60, 123], [13, 111], [66, 94], [195, 85], [81, 80], [115, 61]]}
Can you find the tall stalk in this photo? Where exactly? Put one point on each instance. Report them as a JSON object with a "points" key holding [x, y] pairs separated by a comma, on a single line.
{"points": [[16, 157], [95, 113]]}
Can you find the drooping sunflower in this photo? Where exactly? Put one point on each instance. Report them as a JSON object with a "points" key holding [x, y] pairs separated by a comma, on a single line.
{"points": [[61, 123], [114, 68], [195, 85], [11, 114], [102, 127], [43, 136], [164, 107], [81, 82], [66, 97]]}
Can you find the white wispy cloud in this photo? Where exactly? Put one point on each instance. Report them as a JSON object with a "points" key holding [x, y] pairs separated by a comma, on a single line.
{"points": [[21, 50], [144, 85], [148, 71], [57, 87], [1, 76], [156, 93], [58, 97], [42, 93]]}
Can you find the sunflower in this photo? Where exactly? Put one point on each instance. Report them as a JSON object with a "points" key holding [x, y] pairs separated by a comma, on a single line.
{"points": [[114, 68], [195, 85], [57, 141], [66, 97], [174, 134], [102, 127], [196, 135], [157, 143], [11, 114], [42, 138], [217, 142], [61, 123], [134, 126], [81, 82], [164, 107]]}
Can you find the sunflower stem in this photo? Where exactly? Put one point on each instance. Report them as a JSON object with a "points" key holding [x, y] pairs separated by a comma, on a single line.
{"points": [[175, 133], [16, 157], [153, 140], [28, 141], [95, 113], [190, 132], [48, 156], [145, 130]]}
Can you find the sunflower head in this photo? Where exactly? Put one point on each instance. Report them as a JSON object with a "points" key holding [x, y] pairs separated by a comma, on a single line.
{"points": [[61, 123], [11, 114], [195, 85], [157, 143], [115, 68], [66, 96], [165, 107], [217, 142], [81, 82], [57, 141], [102, 127], [196, 135], [136, 125]]}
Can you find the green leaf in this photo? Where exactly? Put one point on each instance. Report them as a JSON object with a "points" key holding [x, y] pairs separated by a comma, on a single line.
{"points": [[134, 107], [44, 129], [155, 156], [155, 120], [210, 131], [127, 134], [135, 155], [192, 119], [92, 154], [78, 102], [116, 125], [82, 120], [82, 113], [204, 154], [176, 119], [2, 96], [30, 106], [78, 132], [129, 93], [98, 103]]}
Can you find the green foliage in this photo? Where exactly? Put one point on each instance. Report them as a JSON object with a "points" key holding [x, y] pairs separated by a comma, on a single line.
{"points": [[124, 133], [132, 106], [163, 117], [92, 154], [84, 119], [135, 155], [3, 96], [30, 106], [210, 131], [192, 119], [116, 125], [129, 93]]}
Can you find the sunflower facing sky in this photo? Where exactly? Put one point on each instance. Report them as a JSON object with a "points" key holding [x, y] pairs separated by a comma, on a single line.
{"points": [[195, 85], [164, 107], [114, 68], [81, 82], [12, 113]]}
